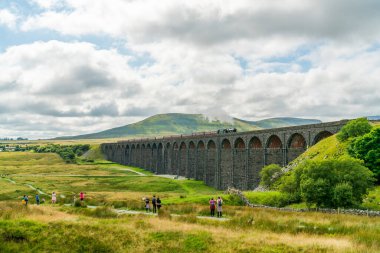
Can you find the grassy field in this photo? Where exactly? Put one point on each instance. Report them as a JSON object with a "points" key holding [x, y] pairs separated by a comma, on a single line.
{"points": [[102, 181], [68, 229], [47, 228]]}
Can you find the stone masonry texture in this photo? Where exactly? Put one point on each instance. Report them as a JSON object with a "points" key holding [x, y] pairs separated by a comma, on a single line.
{"points": [[220, 160]]}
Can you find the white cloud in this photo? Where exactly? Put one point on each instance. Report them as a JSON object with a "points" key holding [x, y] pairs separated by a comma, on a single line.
{"points": [[213, 22], [7, 18], [48, 4], [250, 59], [65, 80], [63, 68]]}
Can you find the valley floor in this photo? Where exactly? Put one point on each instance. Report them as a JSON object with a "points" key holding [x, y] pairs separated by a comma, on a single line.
{"points": [[65, 228]]}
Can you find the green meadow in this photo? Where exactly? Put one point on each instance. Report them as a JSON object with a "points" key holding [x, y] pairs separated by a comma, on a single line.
{"points": [[108, 186], [102, 181]]}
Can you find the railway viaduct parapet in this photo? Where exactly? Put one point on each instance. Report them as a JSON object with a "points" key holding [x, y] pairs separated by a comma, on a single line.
{"points": [[220, 160]]}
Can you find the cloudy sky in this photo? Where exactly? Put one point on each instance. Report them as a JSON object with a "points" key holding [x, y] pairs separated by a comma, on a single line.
{"points": [[77, 66]]}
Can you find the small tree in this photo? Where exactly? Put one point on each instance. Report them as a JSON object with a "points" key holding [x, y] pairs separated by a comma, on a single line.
{"points": [[329, 183], [290, 184], [367, 148], [315, 191], [322, 182], [267, 173], [354, 128]]}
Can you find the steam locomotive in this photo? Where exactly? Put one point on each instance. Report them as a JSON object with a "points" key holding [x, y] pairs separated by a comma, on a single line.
{"points": [[226, 131]]}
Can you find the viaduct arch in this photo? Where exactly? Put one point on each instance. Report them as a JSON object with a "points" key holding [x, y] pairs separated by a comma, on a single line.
{"points": [[220, 160]]}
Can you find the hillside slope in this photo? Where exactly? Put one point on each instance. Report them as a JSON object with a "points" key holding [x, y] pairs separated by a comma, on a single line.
{"points": [[327, 148], [168, 124], [283, 122], [178, 123]]}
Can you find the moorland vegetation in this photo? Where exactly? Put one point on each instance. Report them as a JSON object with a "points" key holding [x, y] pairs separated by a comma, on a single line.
{"points": [[66, 228], [100, 225]]}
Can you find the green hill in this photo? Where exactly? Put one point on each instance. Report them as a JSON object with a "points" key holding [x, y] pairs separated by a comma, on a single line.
{"points": [[327, 148], [167, 124], [283, 122], [178, 123]]}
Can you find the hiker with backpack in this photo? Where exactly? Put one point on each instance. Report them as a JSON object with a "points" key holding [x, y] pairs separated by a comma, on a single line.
{"points": [[219, 204], [212, 207], [37, 199]]}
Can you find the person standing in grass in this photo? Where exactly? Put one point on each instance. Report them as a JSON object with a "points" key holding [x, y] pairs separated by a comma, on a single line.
{"points": [[37, 199], [212, 207], [25, 200], [158, 203], [81, 196], [219, 204], [147, 205], [53, 198], [154, 204]]}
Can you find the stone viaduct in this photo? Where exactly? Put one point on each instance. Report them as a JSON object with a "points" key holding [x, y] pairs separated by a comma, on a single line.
{"points": [[220, 160]]}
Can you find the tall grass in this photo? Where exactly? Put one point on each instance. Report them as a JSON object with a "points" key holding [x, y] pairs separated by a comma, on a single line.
{"points": [[248, 230]]}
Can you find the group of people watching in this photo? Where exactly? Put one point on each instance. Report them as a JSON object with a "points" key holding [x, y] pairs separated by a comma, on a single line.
{"points": [[216, 204], [25, 198], [156, 204]]}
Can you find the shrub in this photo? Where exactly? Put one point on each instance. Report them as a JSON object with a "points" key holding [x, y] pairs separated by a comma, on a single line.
{"points": [[329, 183], [79, 203], [67, 152], [267, 174], [315, 191], [233, 200], [343, 195], [290, 185], [354, 128], [269, 198]]}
